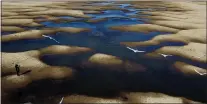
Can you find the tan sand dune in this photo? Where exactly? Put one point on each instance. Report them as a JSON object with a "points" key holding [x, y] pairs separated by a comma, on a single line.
{"points": [[185, 15], [144, 28], [43, 8], [11, 29], [29, 60], [60, 12], [20, 22], [190, 70], [20, 17], [35, 34], [194, 18], [105, 61], [95, 7], [17, 21], [55, 19], [135, 97], [152, 98], [185, 20], [30, 34], [28, 9], [179, 24], [88, 99], [193, 51], [188, 20], [189, 6], [39, 70], [185, 36], [8, 14], [26, 4], [57, 49]]}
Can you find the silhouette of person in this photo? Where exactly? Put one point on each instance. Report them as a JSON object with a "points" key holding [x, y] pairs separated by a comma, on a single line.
{"points": [[17, 67]]}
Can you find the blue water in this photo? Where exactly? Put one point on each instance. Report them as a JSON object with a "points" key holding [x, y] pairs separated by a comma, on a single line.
{"points": [[103, 40], [71, 24], [100, 38]]}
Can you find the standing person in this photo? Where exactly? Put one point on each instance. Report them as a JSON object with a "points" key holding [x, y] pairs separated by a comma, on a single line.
{"points": [[17, 67]]}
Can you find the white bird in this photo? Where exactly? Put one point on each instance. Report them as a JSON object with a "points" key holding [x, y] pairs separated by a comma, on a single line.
{"points": [[164, 55], [134, 50], [199, 72], [61, 100], [50, 38]]}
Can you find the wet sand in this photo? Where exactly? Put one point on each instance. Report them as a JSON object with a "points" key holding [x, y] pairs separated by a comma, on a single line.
{"points": [[104, 52]]}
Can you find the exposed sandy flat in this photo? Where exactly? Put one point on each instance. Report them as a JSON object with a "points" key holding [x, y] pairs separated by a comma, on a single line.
{"points": [[185, 21], [34, 34], [191, 25]]}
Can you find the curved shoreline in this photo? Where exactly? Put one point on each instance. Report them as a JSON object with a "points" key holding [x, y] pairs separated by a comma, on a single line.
{"points": [[93, 71]]}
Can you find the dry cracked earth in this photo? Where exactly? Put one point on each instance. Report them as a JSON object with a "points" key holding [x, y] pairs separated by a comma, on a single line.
{"points": [[104, 52]]}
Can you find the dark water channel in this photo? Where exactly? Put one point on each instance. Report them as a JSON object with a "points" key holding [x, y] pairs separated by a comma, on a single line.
{"points": [[160, 74]]}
